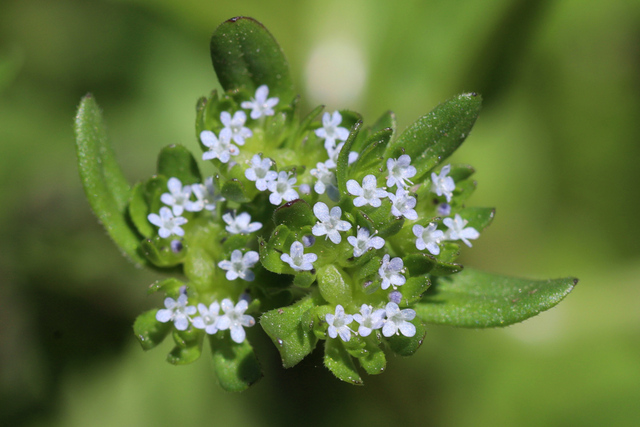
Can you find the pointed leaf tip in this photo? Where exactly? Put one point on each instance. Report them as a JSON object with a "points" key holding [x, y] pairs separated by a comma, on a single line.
{"points": [[473, 299]]}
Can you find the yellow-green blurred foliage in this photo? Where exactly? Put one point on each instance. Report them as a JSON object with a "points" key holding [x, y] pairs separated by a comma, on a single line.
{"points": [[557, 150]]}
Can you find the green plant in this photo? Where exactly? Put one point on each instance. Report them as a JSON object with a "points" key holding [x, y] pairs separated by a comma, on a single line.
{"points": [[323, 231]]}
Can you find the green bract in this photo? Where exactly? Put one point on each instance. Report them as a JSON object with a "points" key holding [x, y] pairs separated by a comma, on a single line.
{"points": [[319, 228]]}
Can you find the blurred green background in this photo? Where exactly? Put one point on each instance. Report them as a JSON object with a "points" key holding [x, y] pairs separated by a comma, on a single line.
{"points": [[556, 150]]}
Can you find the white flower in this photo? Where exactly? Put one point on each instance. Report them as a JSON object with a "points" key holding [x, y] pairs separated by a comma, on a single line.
{"points": [[260, 172], [206, 196], [330, 222], [364, 242], [428, 238], [400, 170], [369, 193], [397, 320], [236, 126], [236, 318], [369, 321], [457, 231], [178, 196], [403, 204], [221, 148], [338, 324], [261, 105], [282, 188], [443, 184], [298, 260], [210, 319], [167, 222], [239, 265], [325, 177], [240, 224], [390, 272], [177, 312], [331, 131]]}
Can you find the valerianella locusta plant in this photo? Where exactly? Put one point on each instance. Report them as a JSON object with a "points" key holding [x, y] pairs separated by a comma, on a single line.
{"points": [[317, 228]]}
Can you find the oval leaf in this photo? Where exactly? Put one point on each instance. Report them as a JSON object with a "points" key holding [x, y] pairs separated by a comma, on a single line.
{"points": [[406, 346], [293, 339], [235, 365], [149, 331], [139, 211], [245, 55], [434, 137], [473, 299], [175, 161], [339, 361], [295, 214]]}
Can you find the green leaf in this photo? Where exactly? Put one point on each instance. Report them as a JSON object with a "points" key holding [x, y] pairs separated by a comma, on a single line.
{"points": [[464, 190], [304, 279], [185, 355], [293, 338], [406, 346], [188, 346], [296, 213], [479, 218], [171, 286], [374, 360], [386, 121], [306, 122], [460, 172], [154, 188], [235, 241], [369, 269], [175, 161], [371, 157], [158, 251], [270, 251], [339, 361], [245, 55], [473, 299], [334, 285], [104, 184], [413, 289], [139, 211], [149, 331], [435, 136], [233, 190], [421, 263], [235, 365]]}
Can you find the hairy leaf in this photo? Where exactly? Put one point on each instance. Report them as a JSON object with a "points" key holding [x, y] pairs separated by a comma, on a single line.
{"points": [[235, 365], [104, 184], [149, 331], [293, 337], [435, 136], [245, 55], [474, 299], [339, 361]]}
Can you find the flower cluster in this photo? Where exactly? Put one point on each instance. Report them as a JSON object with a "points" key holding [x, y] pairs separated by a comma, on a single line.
{"points": [[331, 218], [390, 319], [179, 199], [209, 318], [326, 230]]}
